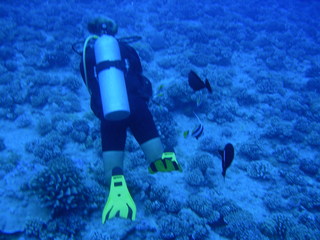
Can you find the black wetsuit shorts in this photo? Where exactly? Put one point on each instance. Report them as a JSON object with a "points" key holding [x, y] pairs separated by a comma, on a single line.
{"points": [[140, 122]]}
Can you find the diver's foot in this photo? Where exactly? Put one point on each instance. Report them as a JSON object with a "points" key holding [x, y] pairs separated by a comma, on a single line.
{"points": [[167, 163], [120, 202]]}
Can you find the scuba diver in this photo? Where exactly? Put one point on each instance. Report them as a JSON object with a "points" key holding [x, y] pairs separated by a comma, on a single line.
{"points": [[112, 72]]}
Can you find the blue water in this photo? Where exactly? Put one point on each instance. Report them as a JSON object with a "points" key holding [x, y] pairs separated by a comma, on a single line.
{"points": [[262, 60]]}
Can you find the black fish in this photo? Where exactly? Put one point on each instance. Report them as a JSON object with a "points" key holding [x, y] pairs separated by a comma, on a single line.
{"points": [[227, 156], [196, 83]]}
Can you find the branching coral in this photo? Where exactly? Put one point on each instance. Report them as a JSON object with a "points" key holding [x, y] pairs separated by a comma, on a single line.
{"points": [[261, 170], [293, 178], [268, 84], [34, 226], [252, 151], [185, 225], [2, 145], [284, 227], [60, 187], [166, 126], [47, 148], [200, 205], [178, 96], [311, 200], [9, 161], [202, 161], [209, 144], [171, 227], [279, 130], [273, 202], [44, 126], [72, 83], [309, 166], [194, 177], [39, 98], [159, 192], [24, 121], [222, 114], [240, 225], [64, 227], [245, 98], [173, 205], [80, 131], [285, 155], [203, 207]]}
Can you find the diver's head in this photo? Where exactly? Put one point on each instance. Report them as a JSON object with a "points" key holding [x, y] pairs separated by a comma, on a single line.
{"points": [[102, 25]]}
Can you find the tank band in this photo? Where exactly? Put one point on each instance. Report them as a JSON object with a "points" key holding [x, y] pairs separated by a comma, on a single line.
{"points": [[108, 64]]}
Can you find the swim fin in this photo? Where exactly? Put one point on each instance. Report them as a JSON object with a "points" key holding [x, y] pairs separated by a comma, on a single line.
{"points": [[120, 202], [167, 163]]}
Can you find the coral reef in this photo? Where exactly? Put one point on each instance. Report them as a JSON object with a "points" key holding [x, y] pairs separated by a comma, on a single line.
{"points": [[60, 188], [263, 67], [47, 148], [293, 177], [285, 155], [268, 84], [166, 126], [251, 151], [39, 98], [2, 145], [194, 177], [303, 125], [222, 114], [72, 83], [24, 121], [65, 227], [178, 96], [56, 59], [157, 42], [203, 161], [209, 144], [284, 226], [244, 98], [203, 207], [173, 205], [279, 130], [185, 225], [309, 166], [261, 170], [9, 161], [44, 126], [274, 202], [311, 199], [241, 225], [80, 131]]}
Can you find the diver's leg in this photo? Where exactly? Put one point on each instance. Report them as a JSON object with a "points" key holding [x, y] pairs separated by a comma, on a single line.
{"points": [[113, 137], [152, 149], [112, 159]]}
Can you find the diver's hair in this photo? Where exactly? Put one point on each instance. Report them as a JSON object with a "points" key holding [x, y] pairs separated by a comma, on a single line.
{"points": [[102, 25]]}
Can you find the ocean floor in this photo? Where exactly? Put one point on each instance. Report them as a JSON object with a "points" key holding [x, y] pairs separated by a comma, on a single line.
{"points": [[262, 61]]}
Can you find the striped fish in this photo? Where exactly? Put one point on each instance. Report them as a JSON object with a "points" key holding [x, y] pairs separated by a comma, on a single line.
{"points": [[198, 131]]}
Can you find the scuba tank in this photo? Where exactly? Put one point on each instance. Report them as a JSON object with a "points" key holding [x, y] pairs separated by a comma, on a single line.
{"points": [[110, 74], [112, 84]]}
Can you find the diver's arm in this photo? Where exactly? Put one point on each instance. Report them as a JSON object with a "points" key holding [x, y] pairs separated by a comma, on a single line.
{"points": [[129, 53]]}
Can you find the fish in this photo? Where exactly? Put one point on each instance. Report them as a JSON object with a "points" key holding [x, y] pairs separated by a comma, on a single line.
{"points": [[227, 155], [186, 134], [196, 83], [198, 131]]}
